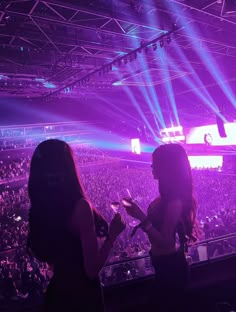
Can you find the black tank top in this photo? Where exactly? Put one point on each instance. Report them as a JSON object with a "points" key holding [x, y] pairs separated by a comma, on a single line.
{"points": [[156, 212]]}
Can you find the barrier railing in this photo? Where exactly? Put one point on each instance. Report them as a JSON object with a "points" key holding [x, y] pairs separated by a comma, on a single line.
{"points": [[140, 266]]}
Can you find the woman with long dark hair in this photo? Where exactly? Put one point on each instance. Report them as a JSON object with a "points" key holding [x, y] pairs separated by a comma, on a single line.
{"points": [[170, 222], [64, 228]]}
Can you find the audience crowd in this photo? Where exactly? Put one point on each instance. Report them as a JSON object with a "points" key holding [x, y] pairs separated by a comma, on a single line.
{"points": [[22, 277], [12, 169], [15, 165]]}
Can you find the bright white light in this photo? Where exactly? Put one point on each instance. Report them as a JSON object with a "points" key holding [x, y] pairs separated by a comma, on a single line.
{"points": [[17, 219], [173, 139], [172, 135], [135, 146], [172, 129], [197, 135], [202, 162], [117, 83]]}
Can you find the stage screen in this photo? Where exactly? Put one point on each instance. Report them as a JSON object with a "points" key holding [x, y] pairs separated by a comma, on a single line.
{"points": [[210, 135], [135, 146]]}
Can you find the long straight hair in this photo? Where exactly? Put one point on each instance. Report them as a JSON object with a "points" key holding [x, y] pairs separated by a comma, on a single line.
{"points": [[54, 188], [175, 182]]}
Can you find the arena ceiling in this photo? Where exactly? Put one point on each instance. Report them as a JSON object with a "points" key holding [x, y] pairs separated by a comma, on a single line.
{"points": [[71, 49]]}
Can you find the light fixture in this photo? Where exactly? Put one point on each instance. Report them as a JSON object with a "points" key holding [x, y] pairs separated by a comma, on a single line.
{"points": [[168, 39], [154, 46], [162, 43], [124, 59]]}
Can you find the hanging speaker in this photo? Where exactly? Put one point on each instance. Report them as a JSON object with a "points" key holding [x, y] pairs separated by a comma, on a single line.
{"points": [[221, 127]]}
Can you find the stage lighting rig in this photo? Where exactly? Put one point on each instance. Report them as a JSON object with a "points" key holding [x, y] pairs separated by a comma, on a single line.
{"points": [[144, 45], [161, 43], [172, 135], [154, 46], [168, 39]]}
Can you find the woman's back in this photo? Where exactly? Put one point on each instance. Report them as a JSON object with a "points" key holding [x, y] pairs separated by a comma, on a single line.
{"points": [[63, 230], [70, 287]]}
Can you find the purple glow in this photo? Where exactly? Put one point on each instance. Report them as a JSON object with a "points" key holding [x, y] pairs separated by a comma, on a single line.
{"points": [[135, 146], [202, 162], [197, 135]]}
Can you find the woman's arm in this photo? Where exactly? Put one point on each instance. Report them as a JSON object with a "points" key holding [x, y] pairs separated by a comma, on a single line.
{"points": [[82, 224]]}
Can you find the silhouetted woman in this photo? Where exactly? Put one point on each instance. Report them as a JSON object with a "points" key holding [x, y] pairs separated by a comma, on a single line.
{"points": [[64, 228], [170, 222]]}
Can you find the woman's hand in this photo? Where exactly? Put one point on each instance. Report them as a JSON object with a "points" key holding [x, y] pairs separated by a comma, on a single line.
{"points": [[117, 225], [134, 210]]}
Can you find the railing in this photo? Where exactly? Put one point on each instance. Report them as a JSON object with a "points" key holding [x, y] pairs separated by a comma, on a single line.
{"points": [[207, 254], [140, 266]]}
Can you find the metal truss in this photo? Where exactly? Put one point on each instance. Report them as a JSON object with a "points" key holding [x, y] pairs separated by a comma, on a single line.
{"points": [[63, 42], [66, 36], [131, 56], [210, 8], [190, 42], [53, 12], [57, 13]]}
